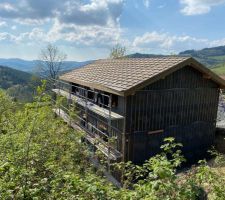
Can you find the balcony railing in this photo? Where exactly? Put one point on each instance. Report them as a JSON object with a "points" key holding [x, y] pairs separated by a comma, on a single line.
{"points": [[109, 142], [104, 112]]}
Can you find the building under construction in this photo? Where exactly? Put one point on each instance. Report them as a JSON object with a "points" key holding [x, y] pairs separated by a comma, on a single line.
{"points": [[127, 106]]}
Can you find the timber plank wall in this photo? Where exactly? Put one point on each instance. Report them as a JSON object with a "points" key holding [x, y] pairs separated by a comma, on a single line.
{"points": [[183, 105]]}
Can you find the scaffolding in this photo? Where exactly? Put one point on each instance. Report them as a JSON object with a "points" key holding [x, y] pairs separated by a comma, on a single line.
{"points": [[87, 111]]}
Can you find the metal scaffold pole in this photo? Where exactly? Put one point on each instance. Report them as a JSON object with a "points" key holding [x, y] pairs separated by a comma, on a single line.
{"points": [[94, 117], [109, 130], [86, 111], [59, 94], [69, 103]]}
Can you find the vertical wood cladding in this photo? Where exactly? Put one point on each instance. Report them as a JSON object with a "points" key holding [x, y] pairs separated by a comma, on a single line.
{"points": [[182, 105]]}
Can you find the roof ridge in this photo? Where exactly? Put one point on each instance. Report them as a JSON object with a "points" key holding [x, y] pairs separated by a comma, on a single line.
{"points": [[118, 76], [158, 57]]}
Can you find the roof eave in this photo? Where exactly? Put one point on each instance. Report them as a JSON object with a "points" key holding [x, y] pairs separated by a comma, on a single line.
{"points": [[93, 85], [189, 61], [213, 76]]}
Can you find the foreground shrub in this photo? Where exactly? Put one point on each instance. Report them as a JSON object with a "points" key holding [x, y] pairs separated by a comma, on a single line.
{"points": [[42, 158]]}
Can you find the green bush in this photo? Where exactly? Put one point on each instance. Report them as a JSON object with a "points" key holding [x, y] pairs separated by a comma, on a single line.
{"points": [[42, 158]]}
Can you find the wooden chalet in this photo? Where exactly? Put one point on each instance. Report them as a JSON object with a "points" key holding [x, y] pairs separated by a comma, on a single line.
{"points": [[128, 106]]}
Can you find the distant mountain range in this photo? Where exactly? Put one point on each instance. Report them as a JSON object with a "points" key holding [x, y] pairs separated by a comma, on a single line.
{"points": [[18, 81], [211, 57], [30, 66], [141, 55], [208, 56]]}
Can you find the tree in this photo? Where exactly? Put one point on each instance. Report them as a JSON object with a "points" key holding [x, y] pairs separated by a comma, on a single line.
{"points": [[117, 51], [50, 61]]}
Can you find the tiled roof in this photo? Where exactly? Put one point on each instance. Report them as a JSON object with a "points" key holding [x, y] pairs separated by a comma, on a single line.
{"points": [[123, 74]]}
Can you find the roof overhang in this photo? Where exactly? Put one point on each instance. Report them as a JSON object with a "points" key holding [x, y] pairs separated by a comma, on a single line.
{"points": [[188, 62], [93, 85]]}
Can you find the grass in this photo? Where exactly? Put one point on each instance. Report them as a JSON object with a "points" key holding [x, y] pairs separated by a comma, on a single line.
{"points": [[219, 69], [219, 58]]}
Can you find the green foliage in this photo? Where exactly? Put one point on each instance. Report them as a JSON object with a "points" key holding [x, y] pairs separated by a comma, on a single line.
{"points": [[18, 84], [117, 51], [10, 77], [42, 158], [158, 178]]}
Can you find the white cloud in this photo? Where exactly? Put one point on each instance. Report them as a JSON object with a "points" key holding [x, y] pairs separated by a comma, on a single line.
{"points": [[87, 23], [94, 22], [162, 6], [104, 12], [94, 12], [92, 35], [155, 42], [3, 23], [219, 42], [14, 27], [69, 34], [35, 35], [197, 7], [7, 37], [146, 3], [105, 38], [7, 7]]}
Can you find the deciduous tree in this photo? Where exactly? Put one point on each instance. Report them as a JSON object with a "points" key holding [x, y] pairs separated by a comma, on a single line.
{"points": [[51, 61], [118, 51]]}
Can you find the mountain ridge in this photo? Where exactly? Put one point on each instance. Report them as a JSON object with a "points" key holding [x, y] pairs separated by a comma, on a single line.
{"points": [[31, 65], [207, 56], [211, 57]]}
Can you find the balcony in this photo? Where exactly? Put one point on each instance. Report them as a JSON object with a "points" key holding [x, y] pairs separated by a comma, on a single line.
{"points": [[90, 105], [90, 118], [91, 137]]}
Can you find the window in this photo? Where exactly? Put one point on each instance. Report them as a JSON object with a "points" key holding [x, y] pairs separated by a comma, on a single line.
{"points": [[90, 95], [74, 88], [114, 100]]}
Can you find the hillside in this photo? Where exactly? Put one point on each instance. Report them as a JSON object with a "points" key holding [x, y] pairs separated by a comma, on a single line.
{"points": [[30, 66], [18, 84], [10, 77], [208, 56], [213, 58], [219, 69]]}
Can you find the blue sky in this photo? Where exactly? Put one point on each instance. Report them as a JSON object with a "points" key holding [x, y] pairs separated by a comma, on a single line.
{"points": [[87, 29]]}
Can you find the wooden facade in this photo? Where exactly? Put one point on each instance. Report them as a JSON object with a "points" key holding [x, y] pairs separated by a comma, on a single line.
{"points": [[183, 106], [180, 103]]}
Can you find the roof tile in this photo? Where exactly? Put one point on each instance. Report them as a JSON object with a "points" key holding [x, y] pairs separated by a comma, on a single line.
{"points": [[121, 74]]}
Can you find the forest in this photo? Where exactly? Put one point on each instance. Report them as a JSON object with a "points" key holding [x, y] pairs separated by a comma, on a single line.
{"points": [[41, 157], [18, 84]]}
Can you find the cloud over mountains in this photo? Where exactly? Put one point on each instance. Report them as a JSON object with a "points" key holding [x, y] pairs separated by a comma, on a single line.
{"points": [[97, 24]]}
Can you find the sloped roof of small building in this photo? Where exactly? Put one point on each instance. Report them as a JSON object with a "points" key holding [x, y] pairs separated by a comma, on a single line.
{"points": [[126, 75]]}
